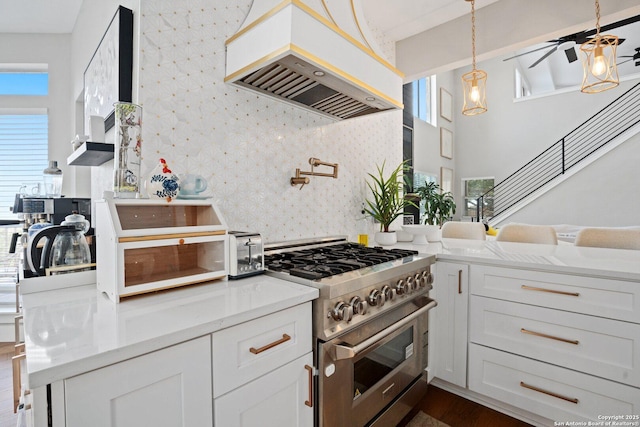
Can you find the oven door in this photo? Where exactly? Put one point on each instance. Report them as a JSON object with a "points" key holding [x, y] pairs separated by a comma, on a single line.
{"points": [[365, 370]]}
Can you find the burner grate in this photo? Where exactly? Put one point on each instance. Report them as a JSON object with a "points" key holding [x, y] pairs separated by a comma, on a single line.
{"points": [[325, 261]]}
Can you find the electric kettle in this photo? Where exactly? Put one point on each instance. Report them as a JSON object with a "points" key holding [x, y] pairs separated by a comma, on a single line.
{"points": [[66, 248]]}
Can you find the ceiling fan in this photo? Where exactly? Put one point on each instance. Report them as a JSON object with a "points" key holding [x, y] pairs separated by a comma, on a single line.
{"points": [[635, 57], [567, 43]]}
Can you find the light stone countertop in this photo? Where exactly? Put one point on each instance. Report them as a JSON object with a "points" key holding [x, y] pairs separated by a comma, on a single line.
{"points": [[561, 258], [75, 330]]}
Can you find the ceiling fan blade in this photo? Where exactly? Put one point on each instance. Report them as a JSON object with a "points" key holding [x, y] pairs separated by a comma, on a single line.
{"points": [[624, 62], [622, 23], [545, 56], [571, 54], [528, 52]]}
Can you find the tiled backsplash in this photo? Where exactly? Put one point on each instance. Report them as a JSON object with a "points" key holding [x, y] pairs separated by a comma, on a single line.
{"points": [[248, 146]]}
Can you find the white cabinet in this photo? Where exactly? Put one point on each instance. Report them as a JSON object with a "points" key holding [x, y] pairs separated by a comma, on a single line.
{"points": [[563, 346], [551, 391], [281, 398], [448, 323], [263, 371], [170, 387], [246, 351]]}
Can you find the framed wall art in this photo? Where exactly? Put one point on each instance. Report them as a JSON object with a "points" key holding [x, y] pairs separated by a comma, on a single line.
{"points": [[446, 180], [108, 77], [446, 143], [446, 105]]}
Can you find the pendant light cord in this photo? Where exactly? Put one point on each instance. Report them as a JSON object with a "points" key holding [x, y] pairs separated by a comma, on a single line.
{"points": [[597, 18], [473, 32]]}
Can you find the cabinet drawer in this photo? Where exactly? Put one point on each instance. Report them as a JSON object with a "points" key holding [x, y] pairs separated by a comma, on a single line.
{"points": [[614, 299], [244, 352], [274, 400], [602, 347], [556, 393]]}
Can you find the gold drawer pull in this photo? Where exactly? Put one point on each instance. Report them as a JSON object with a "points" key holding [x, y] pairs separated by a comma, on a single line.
{"points": [[551, 291], [550, 393], [309, 402], [284, 339], [538, 334]]}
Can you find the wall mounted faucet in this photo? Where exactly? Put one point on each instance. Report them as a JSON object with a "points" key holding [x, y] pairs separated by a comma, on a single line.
{"points": [[301, 180]]}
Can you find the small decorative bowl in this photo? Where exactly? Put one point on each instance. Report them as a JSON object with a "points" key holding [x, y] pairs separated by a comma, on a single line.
{"points": [[419, 232]]}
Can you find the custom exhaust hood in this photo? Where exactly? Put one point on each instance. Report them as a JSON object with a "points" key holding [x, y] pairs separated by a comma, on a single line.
{"points": [[316, 54]]}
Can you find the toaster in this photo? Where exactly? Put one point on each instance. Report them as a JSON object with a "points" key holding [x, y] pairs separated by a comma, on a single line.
{"points": [[245, 254]]}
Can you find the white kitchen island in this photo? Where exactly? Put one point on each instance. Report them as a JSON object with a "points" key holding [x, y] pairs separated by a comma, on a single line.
{"points": [[548, 334], [100, 362]]}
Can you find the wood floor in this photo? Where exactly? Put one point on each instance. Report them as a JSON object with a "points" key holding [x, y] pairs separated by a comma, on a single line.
{"points": [[456, 411], [442, 405]]}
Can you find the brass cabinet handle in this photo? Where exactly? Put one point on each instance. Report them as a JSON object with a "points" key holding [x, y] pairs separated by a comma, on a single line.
{"points": [[284, 339], [549, 393], [309, 402], [538, 334], [551, 291], [17, 382], [459, 281]]}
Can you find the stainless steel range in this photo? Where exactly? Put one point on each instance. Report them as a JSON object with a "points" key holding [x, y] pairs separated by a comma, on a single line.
{"points": [[370, 326]]}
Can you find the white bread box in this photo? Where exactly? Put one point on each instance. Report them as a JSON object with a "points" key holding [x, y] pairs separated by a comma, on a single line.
{"points": [[146, 245]]}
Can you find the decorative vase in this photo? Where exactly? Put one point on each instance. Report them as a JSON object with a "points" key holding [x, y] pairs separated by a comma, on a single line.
{"points": [[127, 150], [163, 183], [386, 238]]}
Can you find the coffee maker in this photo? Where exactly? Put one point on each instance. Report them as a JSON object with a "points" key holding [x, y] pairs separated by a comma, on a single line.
{"points": [[51, 210]]}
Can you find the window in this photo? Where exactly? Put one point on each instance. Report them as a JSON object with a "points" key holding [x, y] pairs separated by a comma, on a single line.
{"points": [[24, 131], [424, 99], [25, 83], [474, 188]]}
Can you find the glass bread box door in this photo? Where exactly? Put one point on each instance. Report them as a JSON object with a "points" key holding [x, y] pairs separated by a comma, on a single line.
{"points": [[146, 245]]}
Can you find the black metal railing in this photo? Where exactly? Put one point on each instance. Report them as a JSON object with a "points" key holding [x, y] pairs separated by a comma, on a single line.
{"points": [[596, 132]]}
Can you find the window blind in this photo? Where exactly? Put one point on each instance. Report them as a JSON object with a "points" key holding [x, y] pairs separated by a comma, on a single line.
{"points": [[23, 155]]}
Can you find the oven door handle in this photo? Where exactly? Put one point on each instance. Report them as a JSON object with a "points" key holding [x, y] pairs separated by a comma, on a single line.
{"points": [[346, 352]]}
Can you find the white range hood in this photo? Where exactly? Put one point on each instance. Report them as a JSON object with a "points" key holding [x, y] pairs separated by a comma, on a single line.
{"points": [[316, 54]]}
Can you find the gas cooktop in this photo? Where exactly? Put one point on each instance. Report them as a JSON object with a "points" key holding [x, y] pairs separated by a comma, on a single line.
{"points": [[317, 263]]}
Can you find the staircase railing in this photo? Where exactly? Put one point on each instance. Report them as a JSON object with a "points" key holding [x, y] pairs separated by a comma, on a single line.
{"points": [[596, 132]]}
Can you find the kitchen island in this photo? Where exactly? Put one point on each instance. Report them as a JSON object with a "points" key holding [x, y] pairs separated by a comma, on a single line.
{"points": [[81, 346], [549, 334]]}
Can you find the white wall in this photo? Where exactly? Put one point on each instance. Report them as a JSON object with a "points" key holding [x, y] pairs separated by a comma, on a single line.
{"points": [[246, 145], [500, 141], [426, 137], [54, 50]]}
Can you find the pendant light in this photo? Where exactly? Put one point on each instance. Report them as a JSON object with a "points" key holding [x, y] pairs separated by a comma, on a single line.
{"points": [[599, 61], [474, 82]]}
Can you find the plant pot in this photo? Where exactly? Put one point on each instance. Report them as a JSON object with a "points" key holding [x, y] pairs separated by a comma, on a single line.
{"points": [[434, 234], [386, 238]]}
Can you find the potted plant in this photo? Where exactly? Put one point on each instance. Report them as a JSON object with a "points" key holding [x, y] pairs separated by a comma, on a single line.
{"points": [[439, 206], [388, 201]]}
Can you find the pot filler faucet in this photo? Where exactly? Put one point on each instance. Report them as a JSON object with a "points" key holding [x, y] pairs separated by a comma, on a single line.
{"points": [[302, 180]]}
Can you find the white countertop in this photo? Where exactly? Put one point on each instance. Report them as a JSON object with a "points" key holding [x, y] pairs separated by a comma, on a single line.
{"points": [[74, 330], [561, 258]]}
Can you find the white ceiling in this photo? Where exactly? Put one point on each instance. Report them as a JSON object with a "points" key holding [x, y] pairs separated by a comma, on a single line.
{"points": [[398, 19], [38, 16]]}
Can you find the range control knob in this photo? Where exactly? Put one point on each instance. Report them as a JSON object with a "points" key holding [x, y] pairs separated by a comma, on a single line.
{"points": [[428, 277], [387, 292], [400, 287], [358, 305], [411, 285], [418, 280], [376, 298], [342, 311]]}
